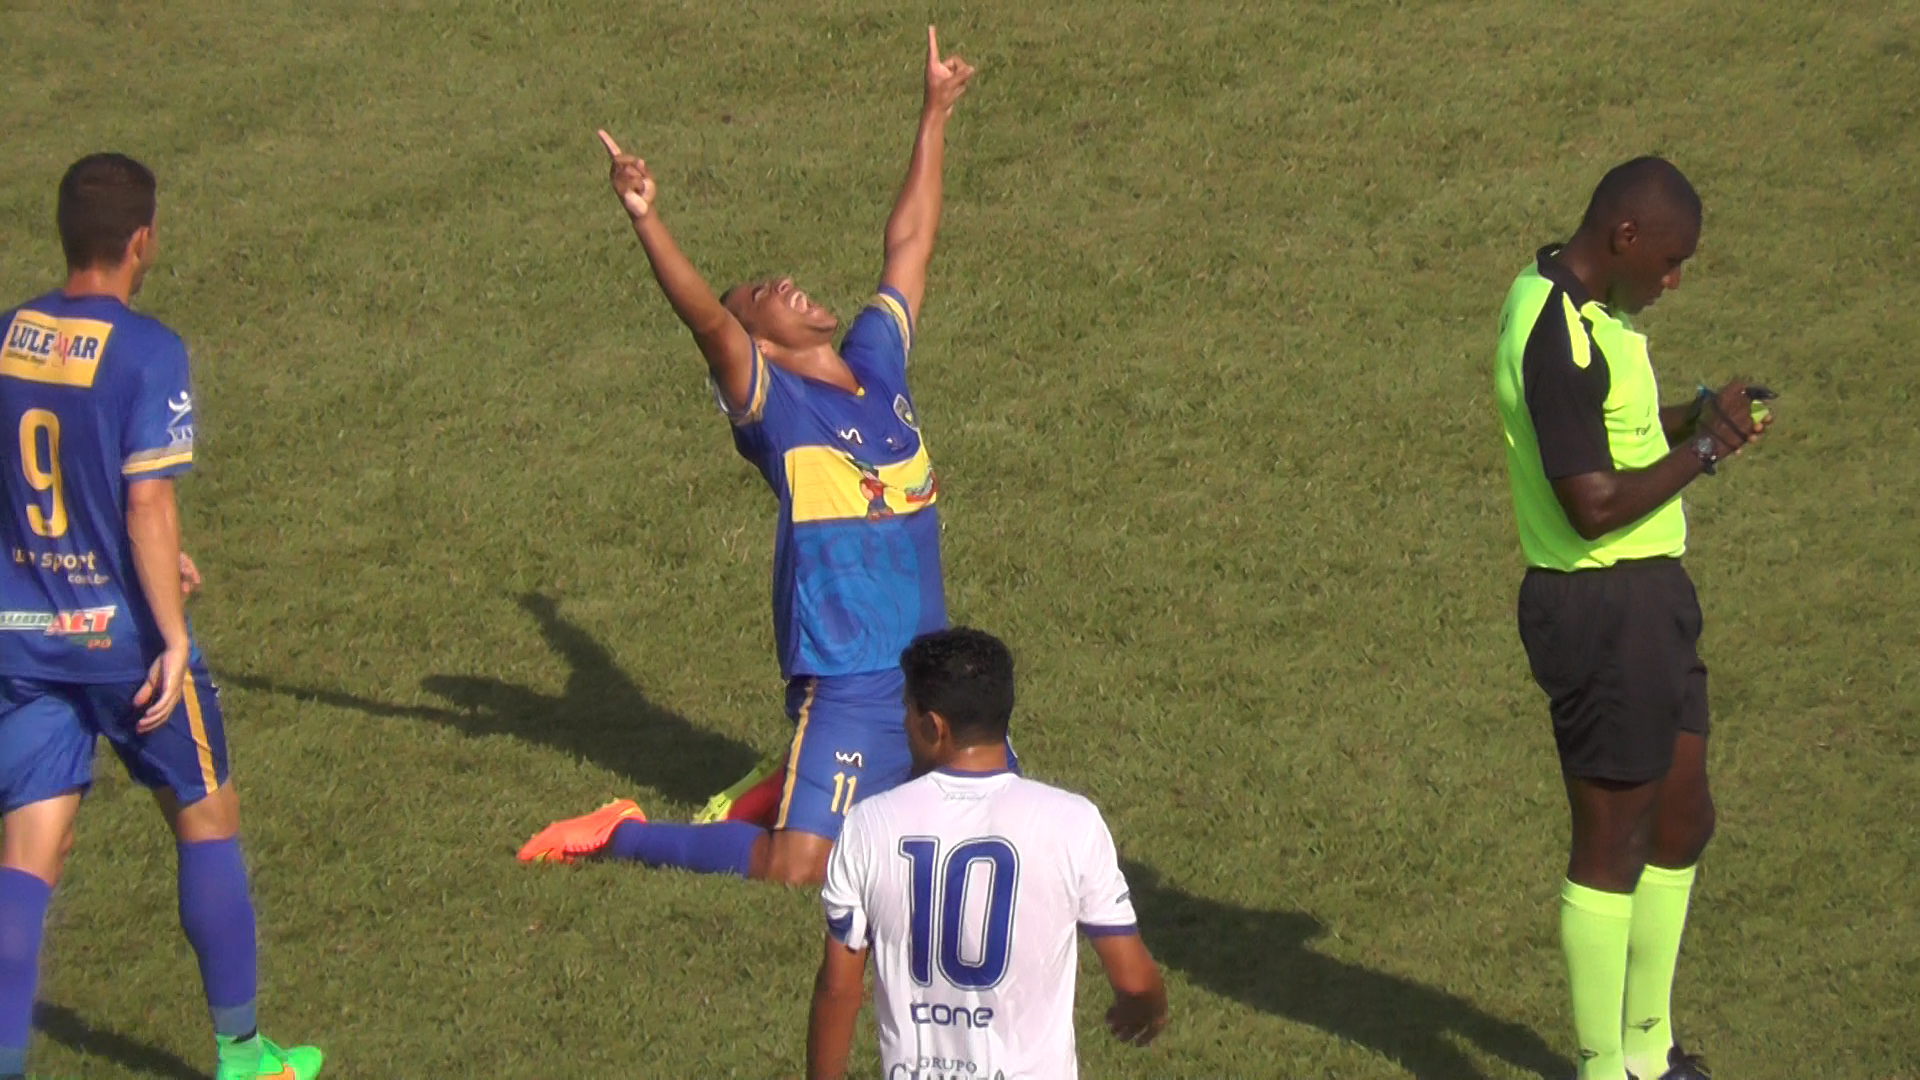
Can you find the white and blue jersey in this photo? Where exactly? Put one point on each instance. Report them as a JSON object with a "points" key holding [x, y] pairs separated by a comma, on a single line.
{"points": [[969, 888]]}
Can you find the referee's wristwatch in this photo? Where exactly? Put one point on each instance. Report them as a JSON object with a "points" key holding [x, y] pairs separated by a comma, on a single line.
{"points": [[1704, 447], [1703, 443]]}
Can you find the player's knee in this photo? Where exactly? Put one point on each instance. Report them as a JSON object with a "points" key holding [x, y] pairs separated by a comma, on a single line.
{"points": [[1704, 821], [805, 870], [798, 859], [215, 817], [798, 875]]}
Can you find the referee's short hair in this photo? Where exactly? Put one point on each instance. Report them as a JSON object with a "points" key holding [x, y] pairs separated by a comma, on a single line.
{"points": [[104, 200], [966, 676], [1638, 189]]}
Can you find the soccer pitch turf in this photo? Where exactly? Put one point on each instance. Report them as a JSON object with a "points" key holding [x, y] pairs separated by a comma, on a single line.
{"points": [[1205, 365]]}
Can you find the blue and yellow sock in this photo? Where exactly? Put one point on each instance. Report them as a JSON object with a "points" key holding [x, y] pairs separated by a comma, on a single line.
{"points": [[724, 847], [23, 916], [217, 914]]}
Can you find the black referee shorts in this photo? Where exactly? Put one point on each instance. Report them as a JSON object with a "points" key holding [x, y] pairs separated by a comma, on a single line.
{"points": [[1616, 650]]}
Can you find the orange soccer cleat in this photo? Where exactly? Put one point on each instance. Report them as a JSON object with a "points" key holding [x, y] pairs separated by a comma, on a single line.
{"points": [[565, 841]]}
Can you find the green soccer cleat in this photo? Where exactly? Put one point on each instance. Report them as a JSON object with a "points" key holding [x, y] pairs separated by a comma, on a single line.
{"points": [[721, 805], [259, 1059]]}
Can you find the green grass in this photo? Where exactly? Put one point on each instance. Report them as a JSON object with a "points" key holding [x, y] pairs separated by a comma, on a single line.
{"points": [[1206, 367]]}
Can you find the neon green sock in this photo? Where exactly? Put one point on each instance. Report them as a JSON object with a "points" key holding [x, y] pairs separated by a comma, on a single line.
{"points": [[1659, 916], [1594, 927]]}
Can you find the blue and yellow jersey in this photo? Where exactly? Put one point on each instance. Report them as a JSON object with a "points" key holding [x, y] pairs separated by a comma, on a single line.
{"points": [[93, 396], [856, 562]]}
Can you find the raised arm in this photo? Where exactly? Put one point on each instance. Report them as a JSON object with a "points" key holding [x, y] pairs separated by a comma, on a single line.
{"points": [[722, 340], [916, 214]]}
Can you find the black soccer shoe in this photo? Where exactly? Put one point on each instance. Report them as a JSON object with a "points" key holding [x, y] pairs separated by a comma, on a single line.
{"points": [[1684, 1066]]}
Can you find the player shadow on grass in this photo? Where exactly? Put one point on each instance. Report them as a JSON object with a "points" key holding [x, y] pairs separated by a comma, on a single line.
{"points": [[1265, 959], [71, 1030], [601, 715]]}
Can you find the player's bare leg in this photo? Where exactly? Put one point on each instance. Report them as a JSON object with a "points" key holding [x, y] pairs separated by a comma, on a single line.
{"points": [[1612, 827], [37, 839], [1684, 815], [791, 857], [216, 913], [1683, 822]]}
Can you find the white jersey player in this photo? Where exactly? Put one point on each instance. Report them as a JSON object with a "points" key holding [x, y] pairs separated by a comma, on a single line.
{"points": [[967, 886]]}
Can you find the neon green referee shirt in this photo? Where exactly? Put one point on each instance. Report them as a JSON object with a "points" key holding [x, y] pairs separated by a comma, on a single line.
{"points": [[1576, 395]]}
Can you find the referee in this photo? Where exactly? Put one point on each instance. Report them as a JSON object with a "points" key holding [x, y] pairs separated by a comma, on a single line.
{"points": [[1607, 613]]}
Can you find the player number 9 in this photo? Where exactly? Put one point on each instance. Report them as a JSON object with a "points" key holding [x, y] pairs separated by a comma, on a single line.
{"points": [[43, 477]]}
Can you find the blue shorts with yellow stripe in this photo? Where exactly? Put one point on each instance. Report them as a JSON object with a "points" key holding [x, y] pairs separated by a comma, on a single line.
{"points": [[849, 742], [47, 732]]}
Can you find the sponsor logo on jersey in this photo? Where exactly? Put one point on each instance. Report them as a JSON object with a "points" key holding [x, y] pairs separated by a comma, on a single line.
{"points": [[180, 419], [941, 1015], [850, 757], [924, 491], [63, 352], [87, 626], [939, 1068]]}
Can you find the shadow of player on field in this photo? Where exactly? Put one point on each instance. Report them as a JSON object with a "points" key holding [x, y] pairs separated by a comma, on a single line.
{"points": [[71, 1030], [601, 715], [1265, 959]]}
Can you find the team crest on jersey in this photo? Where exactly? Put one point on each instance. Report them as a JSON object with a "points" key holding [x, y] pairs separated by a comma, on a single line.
{"points": [[904, 410]]}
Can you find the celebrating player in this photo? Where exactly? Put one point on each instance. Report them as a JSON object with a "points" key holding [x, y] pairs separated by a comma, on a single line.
{"points": [[856, 570], [95, 639], [966, 885], [1607, 613]]}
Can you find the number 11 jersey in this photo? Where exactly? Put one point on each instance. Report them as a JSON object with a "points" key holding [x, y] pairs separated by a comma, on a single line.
{"points": [[93, 397], [969, 888]]}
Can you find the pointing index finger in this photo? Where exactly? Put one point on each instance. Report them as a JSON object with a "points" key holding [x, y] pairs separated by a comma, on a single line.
{"points": [[933, 45], [613, 148]]}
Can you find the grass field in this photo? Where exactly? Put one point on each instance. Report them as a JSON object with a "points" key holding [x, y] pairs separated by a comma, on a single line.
{"points": [[1205, 364]]}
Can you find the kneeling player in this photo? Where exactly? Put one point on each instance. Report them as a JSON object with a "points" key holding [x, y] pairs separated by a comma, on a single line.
{"points": [[95, 638], [857, 556], [967, 886]]}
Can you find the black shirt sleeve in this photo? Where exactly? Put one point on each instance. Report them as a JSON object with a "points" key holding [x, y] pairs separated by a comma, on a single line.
{"points": [[1566, 401]]}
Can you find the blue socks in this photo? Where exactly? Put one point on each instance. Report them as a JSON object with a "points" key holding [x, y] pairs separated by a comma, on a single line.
{"points": [[217, 915], [23, 915], [723, 848]]}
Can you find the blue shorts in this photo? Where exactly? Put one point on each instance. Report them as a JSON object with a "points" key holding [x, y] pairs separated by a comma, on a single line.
{"points": [[47, 732], [849, 742]]}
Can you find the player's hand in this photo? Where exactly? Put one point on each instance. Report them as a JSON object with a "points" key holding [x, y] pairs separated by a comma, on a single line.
{"points": [[166, 682], [631, 180], [1135, 1022], [946, 79], [1728, 417], [189, 575]]}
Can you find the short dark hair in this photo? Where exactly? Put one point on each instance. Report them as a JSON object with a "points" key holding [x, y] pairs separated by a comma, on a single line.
{"points": [[104, 200], [1643, 186], [966, 676]]}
